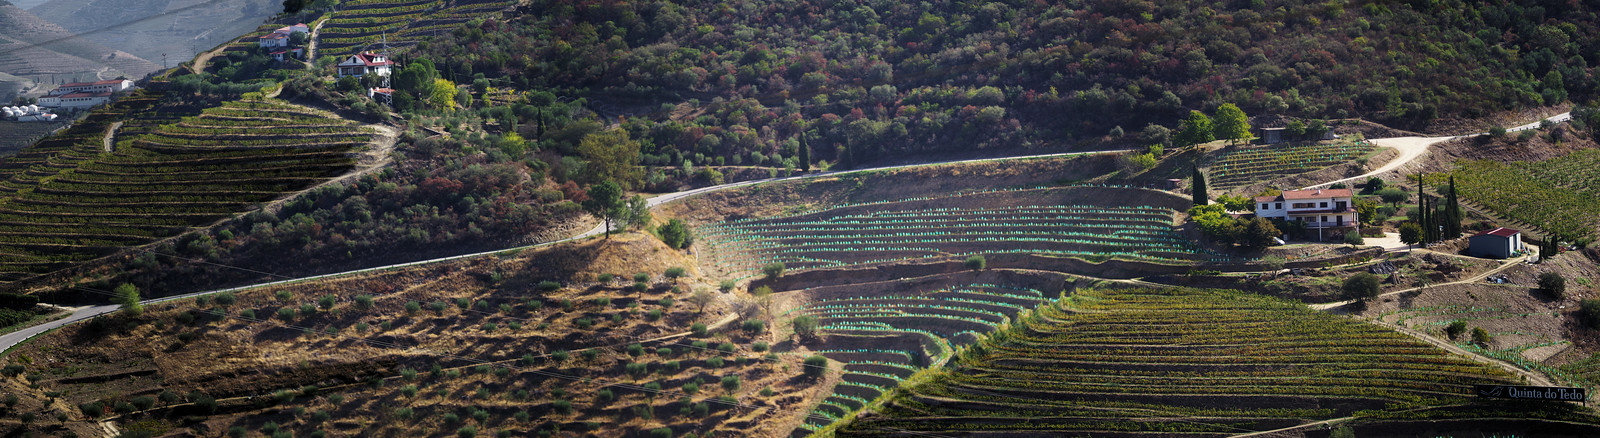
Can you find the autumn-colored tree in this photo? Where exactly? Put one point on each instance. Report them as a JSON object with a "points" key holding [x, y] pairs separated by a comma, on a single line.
{"points": [[443, 94], [611, 156]]}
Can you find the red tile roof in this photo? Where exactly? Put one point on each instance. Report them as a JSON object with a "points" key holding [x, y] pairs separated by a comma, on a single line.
{"points": [[87, 84], [1502, 232], [274, 36], [76, 95], [1290, 195], [366, 59]]}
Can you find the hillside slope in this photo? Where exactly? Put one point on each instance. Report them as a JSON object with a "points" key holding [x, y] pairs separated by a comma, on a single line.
{"points": [[31, 46], [150, 28], [880, 79]]}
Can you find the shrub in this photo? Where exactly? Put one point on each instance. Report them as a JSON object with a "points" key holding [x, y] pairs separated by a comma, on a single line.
{"points": [[363, 302], [671, 367], [489, 326], [773, 270], [307, 309], [286, 314], [403, 413], [140, 403], [1362, 287], [663, 432], [816, 366], [602, 301], [641, 278], [606, 278], [561, 406], [238, 432], [409, 391], [1354, 238], [698, 329], [283, 295], [674, 273], [636, 370], [450, 418], [766, 391], [535, 305], [976, 263], [691, 388], [604, 396], [467, 432], [727, 286], [559, 355], [269, 427], [247, 314], [327, 302], [412, 307], [566, 304], [1589, 312], [726, 347], [548, 286], [321, 415], [635, 350], [758, 347], [754, 326], [715, 362], [666, 303], [806, 326], [1480, 337], [654, 314], [730, 383], [205, 402], [584, 323], [1455, 329], [1554, 284], [463, 303], [590, 354], [226, 299]]}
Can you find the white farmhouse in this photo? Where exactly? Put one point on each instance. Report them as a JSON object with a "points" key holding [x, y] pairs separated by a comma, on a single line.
{"points": [[365, 63], [1318, 209], [280, 37]]}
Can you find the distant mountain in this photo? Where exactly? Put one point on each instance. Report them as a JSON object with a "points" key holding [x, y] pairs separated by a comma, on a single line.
{"points": [[150, 28], [36, 48]]}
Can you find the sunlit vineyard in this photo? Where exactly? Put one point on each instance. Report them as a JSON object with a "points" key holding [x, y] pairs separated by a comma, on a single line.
{"points": [[68, 199], [1555, 195], [1017, 221], [1177, 362], [1251, 164]]}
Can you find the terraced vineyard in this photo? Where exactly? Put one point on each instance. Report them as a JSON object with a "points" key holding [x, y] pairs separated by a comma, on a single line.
{"points": [[938, 322], [362, 23], [1087, 222], [67, 200], [1183, 362], [1555, 195], [1251, 164]]}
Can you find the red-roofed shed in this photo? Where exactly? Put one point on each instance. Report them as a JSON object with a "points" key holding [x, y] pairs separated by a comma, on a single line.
{"points": [[1498, 243]]}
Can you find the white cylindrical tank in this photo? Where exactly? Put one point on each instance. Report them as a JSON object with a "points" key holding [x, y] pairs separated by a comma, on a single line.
{"points": [[33, 108]]}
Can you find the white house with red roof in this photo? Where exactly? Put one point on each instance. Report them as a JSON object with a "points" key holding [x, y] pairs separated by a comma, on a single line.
{"points": [[1318, 209], [365, 63], [106, 86], [74, 100], [280, 37], [83, 94], [288, 54]]}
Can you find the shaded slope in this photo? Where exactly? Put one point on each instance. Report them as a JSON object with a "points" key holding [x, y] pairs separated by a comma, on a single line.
{"points": [[149, 28], [30, 45]]}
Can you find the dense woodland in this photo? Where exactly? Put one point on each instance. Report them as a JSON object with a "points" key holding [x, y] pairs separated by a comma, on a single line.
{"points": [[879, 79]]}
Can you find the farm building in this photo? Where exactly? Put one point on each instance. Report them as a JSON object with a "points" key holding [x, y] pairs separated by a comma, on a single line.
{"points": [[1319, 209], [1280, 135], [1498, 243], [288, 54], [74, 100], [365, 63], [280, 37]]}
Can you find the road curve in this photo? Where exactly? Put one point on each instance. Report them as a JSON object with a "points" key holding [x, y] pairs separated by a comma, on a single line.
{"points": [[1412, 148], [12, 339]]}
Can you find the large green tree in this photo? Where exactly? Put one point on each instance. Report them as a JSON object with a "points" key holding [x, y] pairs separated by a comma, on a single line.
{"points": [[1230, 123], [1195, 130], [612, 156], [605, 202]]}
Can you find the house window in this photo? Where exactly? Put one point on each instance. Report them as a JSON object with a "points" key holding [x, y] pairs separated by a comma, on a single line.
{"points": [[1263, 206], [1324, 205], [1324, 219], [1279, 206], [1303, 205]]}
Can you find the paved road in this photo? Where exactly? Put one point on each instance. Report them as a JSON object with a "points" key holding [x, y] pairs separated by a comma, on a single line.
{"points": [[12, 339]]}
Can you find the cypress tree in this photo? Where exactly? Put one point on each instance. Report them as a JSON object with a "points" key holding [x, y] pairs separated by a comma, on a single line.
{"points": [[1198, 186], [805, 153], [1422, 213], [1452, 217]]}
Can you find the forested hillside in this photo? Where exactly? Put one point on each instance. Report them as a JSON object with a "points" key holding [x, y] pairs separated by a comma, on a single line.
{"points": [[880, 78]]}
